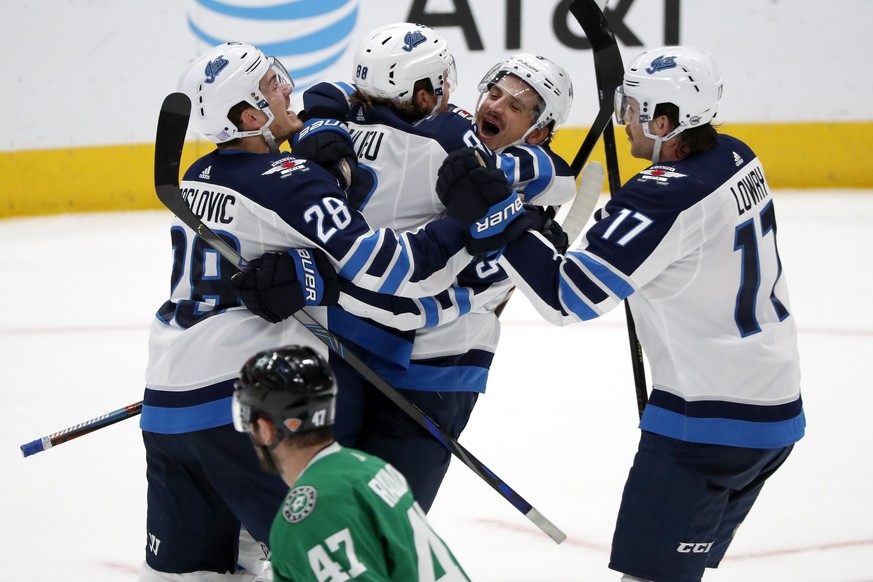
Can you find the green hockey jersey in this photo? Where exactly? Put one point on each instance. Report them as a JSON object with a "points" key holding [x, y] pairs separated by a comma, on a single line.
{"points": [[351, 516]]}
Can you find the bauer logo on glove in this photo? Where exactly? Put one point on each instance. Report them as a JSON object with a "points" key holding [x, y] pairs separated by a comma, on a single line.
{"points": [[317, 125], [312, 284], [497, 215]]}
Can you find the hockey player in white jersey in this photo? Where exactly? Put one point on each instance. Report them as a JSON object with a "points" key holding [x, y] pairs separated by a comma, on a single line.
{"points": [[691, 243], [402, 133], [203, 481]]}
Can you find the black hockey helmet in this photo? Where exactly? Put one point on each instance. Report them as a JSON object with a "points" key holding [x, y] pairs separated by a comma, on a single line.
{"points": [[292, 385]]}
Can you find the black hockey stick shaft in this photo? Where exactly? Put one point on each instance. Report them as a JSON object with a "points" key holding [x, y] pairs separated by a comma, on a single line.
{"points": [[172, 126], [609, 73], [636, 350], [43, 444]]}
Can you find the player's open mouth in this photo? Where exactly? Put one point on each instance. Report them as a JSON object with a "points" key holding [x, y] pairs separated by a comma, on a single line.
{"points": [[489, 129]]}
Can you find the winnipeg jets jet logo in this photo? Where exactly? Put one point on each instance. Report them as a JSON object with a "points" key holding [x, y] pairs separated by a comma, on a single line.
{"points": [[214, 67], [412, 40], [660, 64]]}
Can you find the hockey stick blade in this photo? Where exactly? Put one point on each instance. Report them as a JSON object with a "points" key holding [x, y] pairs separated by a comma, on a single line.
{"points": [[590, 187], [68, 434], [172, 127], [170, 136]]}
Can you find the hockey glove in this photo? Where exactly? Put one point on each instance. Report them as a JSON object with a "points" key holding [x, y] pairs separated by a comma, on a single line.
{"points": [[549, 228], [476, 195], [278, 284], [327, 143]]}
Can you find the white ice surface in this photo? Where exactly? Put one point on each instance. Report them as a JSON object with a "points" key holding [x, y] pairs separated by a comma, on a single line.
{"points": [[558, 423]]}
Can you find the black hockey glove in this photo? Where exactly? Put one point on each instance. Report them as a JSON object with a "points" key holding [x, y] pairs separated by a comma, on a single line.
{"points": [[279, 284], [327, 143], [476, 195], [549, 228]]}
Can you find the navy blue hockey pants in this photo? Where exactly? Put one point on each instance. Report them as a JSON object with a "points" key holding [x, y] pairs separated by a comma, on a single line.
{"points": [[201, 486]]}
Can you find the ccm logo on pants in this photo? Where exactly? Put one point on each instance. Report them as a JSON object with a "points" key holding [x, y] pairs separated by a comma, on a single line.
{"points": [[693, 548]]}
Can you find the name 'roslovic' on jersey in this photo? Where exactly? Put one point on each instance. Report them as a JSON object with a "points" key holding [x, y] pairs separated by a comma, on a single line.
{"points": [[257, 203], [450, 352], [692, 245]]}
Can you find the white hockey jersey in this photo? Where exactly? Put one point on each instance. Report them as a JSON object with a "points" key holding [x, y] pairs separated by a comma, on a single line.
{"points": [[450, 352], [257, 203], [692, 245]]}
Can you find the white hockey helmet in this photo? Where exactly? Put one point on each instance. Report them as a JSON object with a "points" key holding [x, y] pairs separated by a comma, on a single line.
{"points": [[220, 79], [390, 59], [684, 76], [550, 81]]}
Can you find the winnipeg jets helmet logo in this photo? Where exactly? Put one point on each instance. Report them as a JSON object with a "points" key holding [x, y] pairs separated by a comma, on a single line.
{"points": [[412, 40], [661, 63], [214, 67]]}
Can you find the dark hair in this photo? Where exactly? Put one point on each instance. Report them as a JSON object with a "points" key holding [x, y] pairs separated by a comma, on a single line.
{"points": [[692, 140], [408, 111], [313, 437]]}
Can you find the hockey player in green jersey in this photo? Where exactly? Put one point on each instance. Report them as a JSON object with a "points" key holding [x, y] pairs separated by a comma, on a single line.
{"points": [[348, 515]]}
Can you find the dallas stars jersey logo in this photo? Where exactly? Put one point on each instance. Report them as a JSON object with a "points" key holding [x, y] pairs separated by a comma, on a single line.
{"points": [[299, 503]]}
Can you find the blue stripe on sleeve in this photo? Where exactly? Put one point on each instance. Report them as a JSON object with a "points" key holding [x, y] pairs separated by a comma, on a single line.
{"points": [[603, 273], [431, 311], [360, 257], [506, 163], [398, 272], [574, 302], [462, 296], [544, 174]]}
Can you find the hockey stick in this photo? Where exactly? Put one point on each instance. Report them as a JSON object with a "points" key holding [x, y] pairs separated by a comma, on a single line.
{"points": [[609, 73], [172, 126], [590, 186], [68, 434]]}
